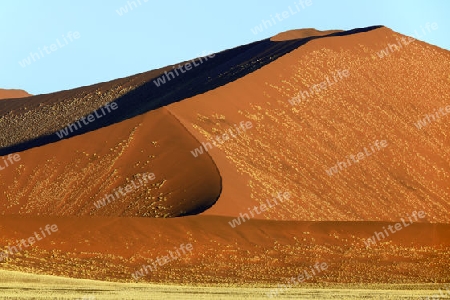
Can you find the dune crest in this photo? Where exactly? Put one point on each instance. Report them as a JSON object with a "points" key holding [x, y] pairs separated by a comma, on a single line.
{"points": [[301, 34], [13, 93]]}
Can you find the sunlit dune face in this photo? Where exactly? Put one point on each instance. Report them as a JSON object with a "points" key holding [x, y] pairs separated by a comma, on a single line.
{"points": [[301, 34], [9, 94]]}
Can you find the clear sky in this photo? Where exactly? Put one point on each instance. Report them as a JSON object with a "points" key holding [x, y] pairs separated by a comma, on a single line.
{"points": [[88, 41]]}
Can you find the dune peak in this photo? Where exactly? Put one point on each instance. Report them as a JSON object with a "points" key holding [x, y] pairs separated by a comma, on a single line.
{"points": [[13, 93], [301, 34]]}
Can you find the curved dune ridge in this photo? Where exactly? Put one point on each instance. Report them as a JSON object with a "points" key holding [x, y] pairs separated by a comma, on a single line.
{"points": [[83, 175], [291, 147], [230, 136], [28, 123]]}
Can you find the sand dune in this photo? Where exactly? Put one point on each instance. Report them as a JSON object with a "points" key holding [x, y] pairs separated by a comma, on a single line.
{"points": [[258, 251], [10, 94], [137, 94], [301, 34], [290, 148], [67, 178]]}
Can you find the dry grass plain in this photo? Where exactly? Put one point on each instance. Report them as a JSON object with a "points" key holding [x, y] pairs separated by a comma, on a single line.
{"points": [[17, 285]]}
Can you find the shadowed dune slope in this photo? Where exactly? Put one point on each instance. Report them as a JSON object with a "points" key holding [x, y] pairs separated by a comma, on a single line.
{"points": [[68, 178], [291, 147], [10, 94], [137, 94]]}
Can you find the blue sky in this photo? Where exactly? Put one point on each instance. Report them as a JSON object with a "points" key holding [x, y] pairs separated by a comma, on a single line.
{"points": [[157, 33]]}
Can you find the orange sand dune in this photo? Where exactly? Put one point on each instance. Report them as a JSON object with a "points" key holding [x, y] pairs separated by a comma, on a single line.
{"points": [[67, 178], [9, 94], [258, 251], [32, 122], [291, 147], [301, 34], [288, 148]]}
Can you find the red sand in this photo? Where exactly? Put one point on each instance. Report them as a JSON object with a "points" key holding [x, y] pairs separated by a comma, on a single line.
{"points": [[288, 149], [71, 175], [300, 34], [255, 252], [9, 94]]}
